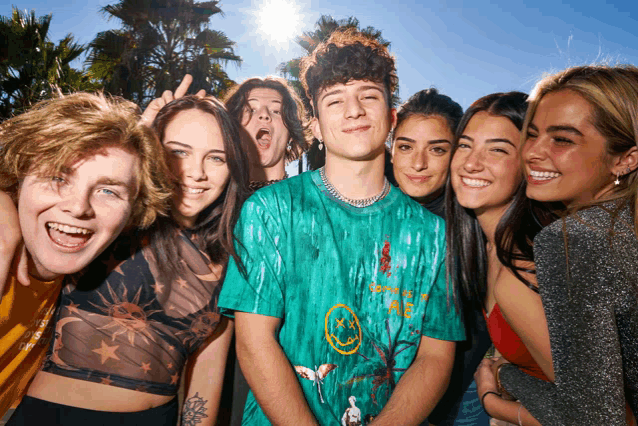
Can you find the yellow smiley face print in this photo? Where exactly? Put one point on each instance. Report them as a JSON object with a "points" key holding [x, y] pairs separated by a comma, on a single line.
{"points": [[343, 331]]}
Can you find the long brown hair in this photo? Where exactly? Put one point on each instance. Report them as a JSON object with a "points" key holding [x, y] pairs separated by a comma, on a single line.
{"points": [[466, 261], [292, 110], [214, 226]]}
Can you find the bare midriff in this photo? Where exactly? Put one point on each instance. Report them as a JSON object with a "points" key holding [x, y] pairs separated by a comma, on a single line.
{"points": [[92, 396]]}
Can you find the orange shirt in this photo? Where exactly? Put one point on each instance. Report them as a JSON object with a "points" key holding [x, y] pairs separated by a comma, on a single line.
{"points": [[25, 333]]}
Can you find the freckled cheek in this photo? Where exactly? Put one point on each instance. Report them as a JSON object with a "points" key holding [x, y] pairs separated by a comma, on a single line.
{"points": [[457, 164], [400, 162], [439, 164], [510, 173], [220, 174]]}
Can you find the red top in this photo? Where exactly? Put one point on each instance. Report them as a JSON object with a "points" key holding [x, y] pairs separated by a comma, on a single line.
{"points": [[509, 345]]}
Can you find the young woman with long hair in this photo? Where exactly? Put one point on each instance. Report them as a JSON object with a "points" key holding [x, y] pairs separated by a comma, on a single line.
{"points": [[580, 151], [147, 308], [421, 146], [420, 158], [493, 266]]}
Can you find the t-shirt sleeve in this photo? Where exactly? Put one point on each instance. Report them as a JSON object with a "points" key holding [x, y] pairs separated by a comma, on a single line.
{"points": [[259, 288], [442, 320]]}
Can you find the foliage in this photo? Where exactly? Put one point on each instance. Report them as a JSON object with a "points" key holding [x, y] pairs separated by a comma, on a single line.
{"points": [[31, 66], [325, 26], [159, 42]]}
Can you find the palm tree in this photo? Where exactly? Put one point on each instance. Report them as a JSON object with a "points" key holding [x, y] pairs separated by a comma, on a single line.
{"points": [[309, 40], [159, 42], [31, 66]]}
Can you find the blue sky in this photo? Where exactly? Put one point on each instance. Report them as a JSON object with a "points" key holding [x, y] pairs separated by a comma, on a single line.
{"points": [[466, 49]]}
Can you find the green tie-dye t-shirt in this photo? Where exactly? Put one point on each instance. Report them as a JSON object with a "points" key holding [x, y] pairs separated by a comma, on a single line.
{"points": [[356, 288]]}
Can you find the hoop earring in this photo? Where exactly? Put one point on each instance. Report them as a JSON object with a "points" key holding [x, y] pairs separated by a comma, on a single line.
{"points": [[320, 144]]}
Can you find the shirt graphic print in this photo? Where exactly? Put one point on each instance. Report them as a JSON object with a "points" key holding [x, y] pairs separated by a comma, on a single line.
{"points": [[355, 288]]}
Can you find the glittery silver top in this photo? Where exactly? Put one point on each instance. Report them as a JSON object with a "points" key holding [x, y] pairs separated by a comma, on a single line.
{"points": [[592, 315]]}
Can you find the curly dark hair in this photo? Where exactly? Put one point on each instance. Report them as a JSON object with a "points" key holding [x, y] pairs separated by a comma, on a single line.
{"points": [[347, 55], [429, 102], [292, 109]]}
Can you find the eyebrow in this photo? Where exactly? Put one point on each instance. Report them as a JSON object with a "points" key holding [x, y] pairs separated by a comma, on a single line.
{"points": [[112, 182], [564, 128], [271, 101], [183, 145], [334, 92], [361, 89], [492, 140], [430, 142]]}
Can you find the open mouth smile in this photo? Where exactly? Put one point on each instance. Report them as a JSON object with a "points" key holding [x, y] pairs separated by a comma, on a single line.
{"points": [[68, 237], [539, 177], [189, 190], [475, 183]]}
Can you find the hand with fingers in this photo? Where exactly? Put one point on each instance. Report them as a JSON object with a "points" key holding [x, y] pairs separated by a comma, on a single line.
{"points": [[156, 105]]}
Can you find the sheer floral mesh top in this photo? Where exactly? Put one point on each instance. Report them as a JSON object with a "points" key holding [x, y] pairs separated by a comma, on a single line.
{"points": [[121, 324]]}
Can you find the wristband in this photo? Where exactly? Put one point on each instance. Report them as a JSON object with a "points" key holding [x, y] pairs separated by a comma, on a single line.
{"points": [[483, 399]]}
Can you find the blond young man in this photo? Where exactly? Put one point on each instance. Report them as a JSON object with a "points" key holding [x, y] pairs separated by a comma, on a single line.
{"points": [[80, 168]]}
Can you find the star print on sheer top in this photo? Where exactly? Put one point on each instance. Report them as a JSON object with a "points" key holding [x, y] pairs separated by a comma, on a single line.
{"points": [[122, 325]]}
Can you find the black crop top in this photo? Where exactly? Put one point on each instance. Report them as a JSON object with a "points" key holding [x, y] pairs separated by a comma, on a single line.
{"points": [[120, 324]]}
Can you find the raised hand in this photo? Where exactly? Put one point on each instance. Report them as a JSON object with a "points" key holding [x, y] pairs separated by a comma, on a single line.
{"points": [[157, 104]]}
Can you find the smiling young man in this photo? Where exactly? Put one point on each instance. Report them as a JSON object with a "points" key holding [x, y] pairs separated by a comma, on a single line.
{"points": [[80, 168], [342, 307]]}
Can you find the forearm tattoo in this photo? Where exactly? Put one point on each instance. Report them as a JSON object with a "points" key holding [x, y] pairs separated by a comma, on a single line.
{"points": [[193, 411]]}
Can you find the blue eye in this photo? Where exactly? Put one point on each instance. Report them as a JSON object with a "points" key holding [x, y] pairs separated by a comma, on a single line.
{"points": [[178, 152], [109, 192], [217, 159]]}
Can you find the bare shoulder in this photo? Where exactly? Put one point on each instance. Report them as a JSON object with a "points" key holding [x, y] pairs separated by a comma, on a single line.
{"points": [[509, 290]]}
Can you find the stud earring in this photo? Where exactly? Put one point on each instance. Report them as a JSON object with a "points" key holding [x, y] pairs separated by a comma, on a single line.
{"points": [[320, 144], [617, 181]]}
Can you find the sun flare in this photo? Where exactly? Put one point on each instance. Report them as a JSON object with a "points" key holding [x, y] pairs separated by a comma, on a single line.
{"points": [[279, 21]]}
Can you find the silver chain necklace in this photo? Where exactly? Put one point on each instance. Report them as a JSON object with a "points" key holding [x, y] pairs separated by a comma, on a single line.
{"points": [[365, 202]]}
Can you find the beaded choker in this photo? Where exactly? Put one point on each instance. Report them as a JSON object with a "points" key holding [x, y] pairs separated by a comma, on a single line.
{"points": [[365, 202]]}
